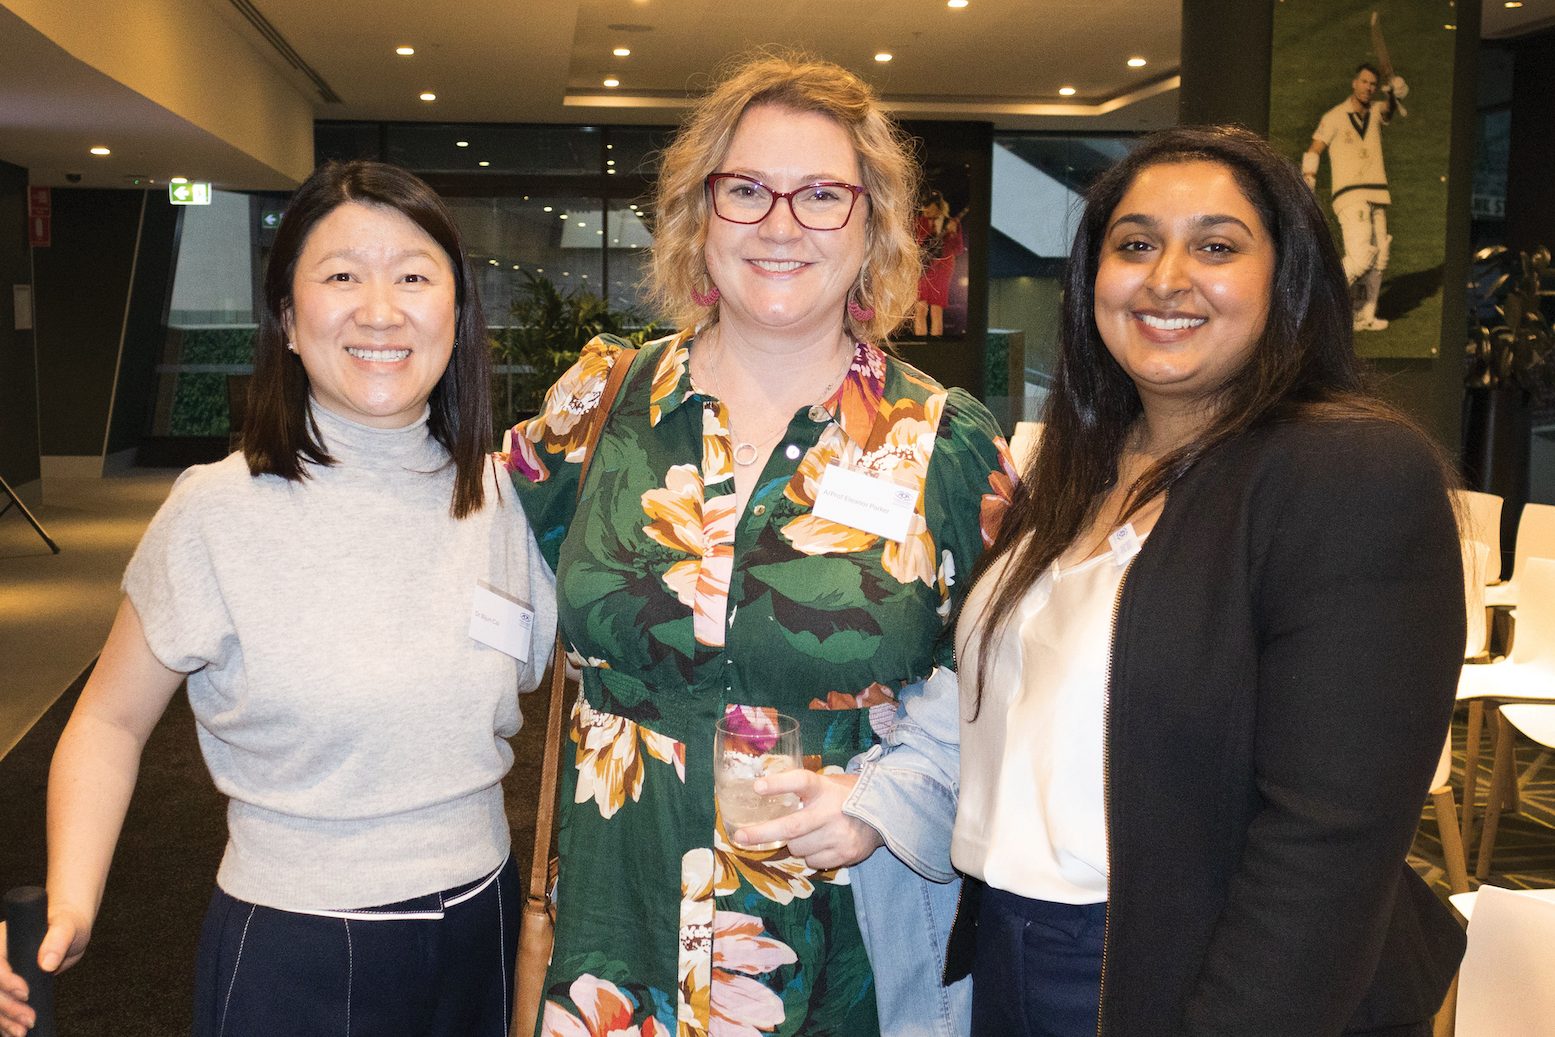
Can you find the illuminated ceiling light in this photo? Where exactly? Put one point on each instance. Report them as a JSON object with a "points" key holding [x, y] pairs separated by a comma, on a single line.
{"points": [[582, 224], [564, 216], [548, 208], [612, 172], [404, 52], [100, 150], [179, 180], [493, 262], [1066, 91], [610, 161], [612, 82], [633, 205], [483, 163], [461, 143], [1137, 62], [622, 52], [428, 96], [955, 3], [1512, 5], [884, 56], [515, 266]]}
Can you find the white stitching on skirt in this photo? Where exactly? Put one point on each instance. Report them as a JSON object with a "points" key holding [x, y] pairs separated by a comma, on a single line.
{"points": [[226, 1004], [350, 967], [502, 960]]}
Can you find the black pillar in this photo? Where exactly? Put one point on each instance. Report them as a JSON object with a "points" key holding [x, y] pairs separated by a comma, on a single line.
{"points": [[1226, 45]]}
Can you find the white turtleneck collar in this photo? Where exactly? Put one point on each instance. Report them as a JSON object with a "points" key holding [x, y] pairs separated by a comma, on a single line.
{"points": [[352, 444]]}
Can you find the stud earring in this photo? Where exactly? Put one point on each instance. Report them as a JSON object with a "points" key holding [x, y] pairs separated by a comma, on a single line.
{"points": [[292, 346]]}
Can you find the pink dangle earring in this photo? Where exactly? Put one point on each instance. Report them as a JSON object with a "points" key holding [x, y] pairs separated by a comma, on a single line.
{"points": [[708, 297], [857, 310]]}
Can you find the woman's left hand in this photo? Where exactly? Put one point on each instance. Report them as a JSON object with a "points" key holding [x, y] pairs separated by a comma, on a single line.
{"points": [[819, 831]]}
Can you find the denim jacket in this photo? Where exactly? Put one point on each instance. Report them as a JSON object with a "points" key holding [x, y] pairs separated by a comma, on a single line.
{"points": [[906, 898]]}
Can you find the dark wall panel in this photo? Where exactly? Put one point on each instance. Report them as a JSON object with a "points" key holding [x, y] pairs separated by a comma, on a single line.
{"points": [[18, 378], [82, 282], [146, 330], [1530, 199], [1226, 49]]}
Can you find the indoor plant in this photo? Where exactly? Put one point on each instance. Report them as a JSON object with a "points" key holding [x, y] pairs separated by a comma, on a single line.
{"points": [[547, 328]]}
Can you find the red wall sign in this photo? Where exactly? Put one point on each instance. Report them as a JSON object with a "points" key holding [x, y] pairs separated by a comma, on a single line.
{"points": [[40, 207]]}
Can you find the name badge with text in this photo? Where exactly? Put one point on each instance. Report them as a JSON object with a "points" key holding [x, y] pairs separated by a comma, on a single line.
{"points": [[867, 502], [499, 620]]}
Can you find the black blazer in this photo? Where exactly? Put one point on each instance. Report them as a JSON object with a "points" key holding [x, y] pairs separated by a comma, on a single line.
{"points": [[1284, 667]]}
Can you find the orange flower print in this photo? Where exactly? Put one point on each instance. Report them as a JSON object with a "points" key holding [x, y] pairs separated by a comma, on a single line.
{"points": [[668, 374], [562, 425], [1001, 485], [681, 520], [604, 1011], [717, 444], [695, 964], [610, 767], [876, 694]]}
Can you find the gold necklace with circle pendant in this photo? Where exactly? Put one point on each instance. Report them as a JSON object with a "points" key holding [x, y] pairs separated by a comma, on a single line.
{"points": [[748, 452]]}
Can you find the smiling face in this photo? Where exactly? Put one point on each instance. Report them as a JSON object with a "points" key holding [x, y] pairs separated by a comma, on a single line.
{"points": [[776, 275], [373, 314], [1364, 86], [1183, 284]]}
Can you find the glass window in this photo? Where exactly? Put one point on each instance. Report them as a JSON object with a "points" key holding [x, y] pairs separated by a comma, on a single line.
{"points": [[627, 252], [345, 141], [482, 149]]}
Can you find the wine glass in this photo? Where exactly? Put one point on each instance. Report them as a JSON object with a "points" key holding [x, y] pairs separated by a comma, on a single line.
{"points": [[752, 743]]}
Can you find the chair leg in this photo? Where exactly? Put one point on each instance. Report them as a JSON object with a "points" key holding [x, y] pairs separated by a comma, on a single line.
{"points": [[1505, 761], [1446, 1017], [1534, 768], [1453, 856], [1471, 771]]}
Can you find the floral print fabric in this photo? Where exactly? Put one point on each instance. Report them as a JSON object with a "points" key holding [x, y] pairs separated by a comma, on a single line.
{"points": [[680, 608]]}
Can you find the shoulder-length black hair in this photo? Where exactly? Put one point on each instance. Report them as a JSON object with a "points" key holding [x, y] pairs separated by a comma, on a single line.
{"points": [[1303, 362], [279, 434]]}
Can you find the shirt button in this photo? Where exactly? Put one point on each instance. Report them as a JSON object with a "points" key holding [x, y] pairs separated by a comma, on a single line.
{"points": [[760, 509]]}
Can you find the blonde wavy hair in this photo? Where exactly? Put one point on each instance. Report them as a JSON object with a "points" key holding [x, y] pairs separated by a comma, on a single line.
{"points": [[888, 281]]}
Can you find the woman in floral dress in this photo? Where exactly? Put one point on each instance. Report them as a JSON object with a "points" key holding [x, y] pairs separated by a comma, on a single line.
{"points": [[696, 578]]}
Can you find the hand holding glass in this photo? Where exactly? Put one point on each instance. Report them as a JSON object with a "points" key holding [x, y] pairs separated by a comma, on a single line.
{"points": [[740, 756]]}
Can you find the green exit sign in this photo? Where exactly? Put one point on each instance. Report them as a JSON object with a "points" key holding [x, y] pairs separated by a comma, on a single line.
{"points": [[189, 194]]}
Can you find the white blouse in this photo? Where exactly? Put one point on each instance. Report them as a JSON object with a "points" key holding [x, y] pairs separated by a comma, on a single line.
{"points": [[1031, 817]]}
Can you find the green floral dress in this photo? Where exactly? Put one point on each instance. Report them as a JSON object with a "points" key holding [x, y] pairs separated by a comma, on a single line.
{"points": [[681, 610]]}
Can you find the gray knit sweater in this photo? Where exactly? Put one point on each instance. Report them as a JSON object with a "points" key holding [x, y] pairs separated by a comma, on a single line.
{"points": [[342, 706]]}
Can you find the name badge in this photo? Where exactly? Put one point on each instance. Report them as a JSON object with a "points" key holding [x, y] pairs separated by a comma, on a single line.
{"points": [[498, 620], [1124, 543], [866, 502]]}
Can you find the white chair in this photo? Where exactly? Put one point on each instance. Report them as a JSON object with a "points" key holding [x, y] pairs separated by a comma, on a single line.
{"points": [[1535, 539], [1525, 683], [1480, 517], [1454, 857], [1506, 986]]}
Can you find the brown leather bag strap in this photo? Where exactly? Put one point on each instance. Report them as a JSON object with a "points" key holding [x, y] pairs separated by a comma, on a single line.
{"points": [[545, 812]]}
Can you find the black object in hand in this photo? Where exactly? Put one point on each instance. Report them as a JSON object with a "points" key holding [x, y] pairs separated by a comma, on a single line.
{"points": [[26, 921]]}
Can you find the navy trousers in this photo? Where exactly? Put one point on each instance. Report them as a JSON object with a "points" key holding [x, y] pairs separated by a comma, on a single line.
{"points": [[440, 965], [1038, 967]]}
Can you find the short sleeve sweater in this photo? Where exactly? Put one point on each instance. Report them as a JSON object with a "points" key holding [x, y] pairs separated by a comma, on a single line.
{"points": [[359, 731]]}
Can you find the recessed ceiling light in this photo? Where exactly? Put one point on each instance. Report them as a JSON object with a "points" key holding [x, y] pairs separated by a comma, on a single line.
{"points": [[610, 147], [1066, 91], [515, 266], [404, 52], [883, 56], [633, 205], [955, 3], [100, 150], [461, 143], [428, 96], [611, 171], [1512, 5], [547, 208], [1136, 62], [493, 262], [582, 224], [622, 52], [483, 163], [563, 215], [612, 82], [610, 161]]}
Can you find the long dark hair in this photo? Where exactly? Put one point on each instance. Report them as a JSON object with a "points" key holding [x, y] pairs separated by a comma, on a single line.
{"points": [[1303, 362], [279, 434]]}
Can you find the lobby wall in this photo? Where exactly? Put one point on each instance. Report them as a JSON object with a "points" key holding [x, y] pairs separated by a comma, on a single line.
{"points": [[18, 373]]}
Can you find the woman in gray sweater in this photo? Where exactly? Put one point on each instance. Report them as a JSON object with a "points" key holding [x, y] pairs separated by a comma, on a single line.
{"points": [[355, 603]]}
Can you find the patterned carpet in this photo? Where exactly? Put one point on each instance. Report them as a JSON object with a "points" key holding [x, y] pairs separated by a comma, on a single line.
{"points": [[1524, 855]]}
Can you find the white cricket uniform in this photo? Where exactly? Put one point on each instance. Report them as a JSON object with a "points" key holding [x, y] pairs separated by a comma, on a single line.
{"points": [[1358, 181]]}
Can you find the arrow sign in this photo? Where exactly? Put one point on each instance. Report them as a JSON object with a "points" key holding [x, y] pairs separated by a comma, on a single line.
{"points": [[197, 193]]}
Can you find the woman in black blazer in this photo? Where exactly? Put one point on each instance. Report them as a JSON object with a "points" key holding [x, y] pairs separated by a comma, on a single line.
{"points": [[1228, 597]]}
